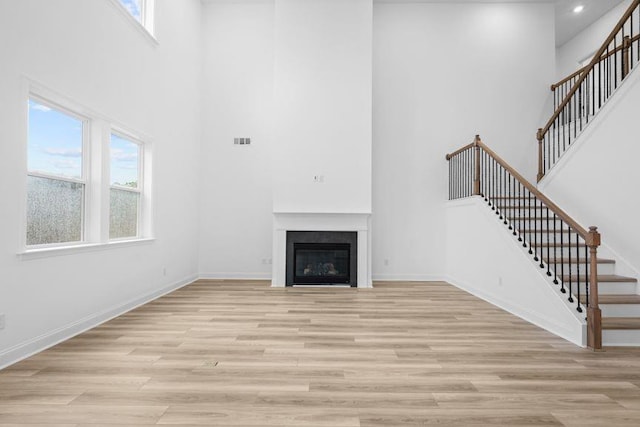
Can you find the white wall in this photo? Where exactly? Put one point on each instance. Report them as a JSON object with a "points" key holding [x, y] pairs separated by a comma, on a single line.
{"points": [[443, 73], [322, 106], [570, 55], [236, 200], [484, 259], [89, 52], [596, 180]]}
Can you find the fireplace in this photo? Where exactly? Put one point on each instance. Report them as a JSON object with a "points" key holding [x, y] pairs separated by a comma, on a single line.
{"points": [[321, 258]]}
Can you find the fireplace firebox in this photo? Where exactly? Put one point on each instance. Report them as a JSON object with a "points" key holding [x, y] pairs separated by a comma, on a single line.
{"points": [[321, 258]]}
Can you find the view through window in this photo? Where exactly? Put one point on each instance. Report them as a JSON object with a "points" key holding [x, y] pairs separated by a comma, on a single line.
{"points": [[55, 184], [125, 188]]}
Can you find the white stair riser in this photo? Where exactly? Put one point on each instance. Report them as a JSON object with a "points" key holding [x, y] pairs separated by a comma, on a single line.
{"points": [[580, 268], [621, 337], [561, 252], [624, 288], [620, 310]]}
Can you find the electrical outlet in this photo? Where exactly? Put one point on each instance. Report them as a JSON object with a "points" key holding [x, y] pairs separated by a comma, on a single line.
{"points": [[500, 281], [164, 271], [386, 262], [1, 321]]}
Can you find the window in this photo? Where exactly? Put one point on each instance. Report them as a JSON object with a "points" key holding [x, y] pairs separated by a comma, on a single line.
{"points": [[56, 183], [85, 181], [141, 11], [134, 7], [124, 212]]}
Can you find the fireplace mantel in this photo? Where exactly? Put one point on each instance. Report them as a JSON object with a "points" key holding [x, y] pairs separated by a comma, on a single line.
{"points": [[312, 221]]}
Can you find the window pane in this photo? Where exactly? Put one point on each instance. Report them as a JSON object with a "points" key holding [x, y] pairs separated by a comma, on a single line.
{"points": [[123, 217], [125, 156], [134, 7], [54, 211], [55, 142]]}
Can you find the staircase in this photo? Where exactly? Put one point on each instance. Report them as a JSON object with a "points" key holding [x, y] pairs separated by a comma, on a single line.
{"points": [[619, 299], [578, 97], [565, 251]]}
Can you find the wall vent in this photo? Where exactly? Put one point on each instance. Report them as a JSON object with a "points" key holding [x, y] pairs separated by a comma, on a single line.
{"points": [[242, 141]]}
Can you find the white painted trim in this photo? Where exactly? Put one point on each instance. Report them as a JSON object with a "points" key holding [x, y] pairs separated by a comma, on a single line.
{"points": [[29, 348], [321, 221], [147, 27], [75, 249], [235, 276], [620, 337], [409, 278], [521, 312], [622, 266]]}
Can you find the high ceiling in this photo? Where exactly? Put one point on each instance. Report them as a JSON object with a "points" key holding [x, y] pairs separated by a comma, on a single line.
{"points": [[568, 24]]}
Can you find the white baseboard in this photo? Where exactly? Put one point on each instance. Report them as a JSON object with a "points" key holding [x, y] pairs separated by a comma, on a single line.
{"points": [[524, 313], [235, 276], [29, 348], [409, 278]]}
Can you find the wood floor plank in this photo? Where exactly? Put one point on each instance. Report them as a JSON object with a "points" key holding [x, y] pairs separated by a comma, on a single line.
{"points": [[240, 353]]}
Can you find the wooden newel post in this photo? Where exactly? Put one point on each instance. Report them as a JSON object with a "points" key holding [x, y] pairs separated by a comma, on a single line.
{"points": [[626, 47], [594, 315], [476, 171], [540, 137]]}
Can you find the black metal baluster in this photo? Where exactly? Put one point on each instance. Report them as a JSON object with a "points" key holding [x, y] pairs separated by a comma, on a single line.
{"points": [[548, 244], [449, 165], [494, 190], [555, 250], [615, 64], [562, 259], [599, 85], [577, 272], [570, 281], [509, 210], [454, 159], [539, 247], [529, 226]]}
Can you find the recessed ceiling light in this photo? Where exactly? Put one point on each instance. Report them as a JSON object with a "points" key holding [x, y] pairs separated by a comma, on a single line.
{"points": [[578, 9]]}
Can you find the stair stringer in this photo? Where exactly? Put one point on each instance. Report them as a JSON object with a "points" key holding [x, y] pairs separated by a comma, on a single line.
{"points": [[486, 260]]}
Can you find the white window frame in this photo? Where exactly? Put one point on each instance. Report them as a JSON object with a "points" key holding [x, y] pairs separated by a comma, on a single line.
{"points": [[96, 160], [146, 24], [83, 180], [139, 189]]}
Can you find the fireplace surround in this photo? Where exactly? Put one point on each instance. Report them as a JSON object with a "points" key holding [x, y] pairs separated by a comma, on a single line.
{"points": [[357, 223]]}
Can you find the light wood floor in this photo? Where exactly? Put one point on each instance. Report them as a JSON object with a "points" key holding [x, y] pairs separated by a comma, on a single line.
{"points": [[245, 354]]}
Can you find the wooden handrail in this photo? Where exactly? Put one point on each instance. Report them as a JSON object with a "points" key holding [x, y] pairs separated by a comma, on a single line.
{"points": [[584, 233], [455, 153], [605, 56], [594, 61]]}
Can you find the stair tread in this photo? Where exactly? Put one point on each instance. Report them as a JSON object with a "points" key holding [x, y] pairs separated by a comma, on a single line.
{"points": [[610, 323], [614, 299], [602, 278]]}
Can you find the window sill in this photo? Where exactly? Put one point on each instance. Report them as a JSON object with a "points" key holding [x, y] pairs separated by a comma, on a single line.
{"points": [[77, 249]]}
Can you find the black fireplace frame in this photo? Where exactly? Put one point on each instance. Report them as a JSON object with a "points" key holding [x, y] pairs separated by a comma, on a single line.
{"points": [[322, 238]]}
